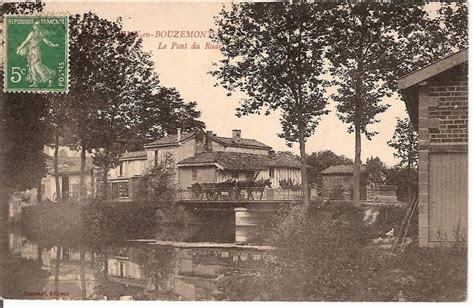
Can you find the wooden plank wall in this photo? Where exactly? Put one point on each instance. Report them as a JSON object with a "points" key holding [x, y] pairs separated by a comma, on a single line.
{"points": [[448, 195]]}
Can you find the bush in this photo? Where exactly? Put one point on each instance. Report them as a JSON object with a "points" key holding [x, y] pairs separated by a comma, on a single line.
{"points": [[95, 224], [325, 255], [107, 223], [314, 255]]}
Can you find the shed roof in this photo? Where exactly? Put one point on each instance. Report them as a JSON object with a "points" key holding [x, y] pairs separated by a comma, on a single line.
{"points": [[341, 169], [284, 161], [408, 83], [433, 69]]}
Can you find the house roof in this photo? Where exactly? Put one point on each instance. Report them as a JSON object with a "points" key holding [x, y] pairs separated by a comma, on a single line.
{"points": [[433, 69], [238, 161], [244, 142], [284, 161], [133, 155], [252, 143], [68, 165], [171, 139], [228, 160], [341, 169]]}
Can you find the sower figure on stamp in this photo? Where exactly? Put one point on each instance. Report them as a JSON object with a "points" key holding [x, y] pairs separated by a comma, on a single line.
{"points": [[37, 71]]}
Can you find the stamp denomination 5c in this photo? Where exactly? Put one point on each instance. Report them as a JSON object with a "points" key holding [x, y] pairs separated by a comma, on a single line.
{"points": [[36, 53]]}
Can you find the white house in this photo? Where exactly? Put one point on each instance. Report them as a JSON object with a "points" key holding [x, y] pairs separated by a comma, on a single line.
{"points": [[69, 167], [204, 158]]}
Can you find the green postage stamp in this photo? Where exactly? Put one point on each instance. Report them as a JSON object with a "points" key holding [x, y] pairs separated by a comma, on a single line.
{"points": [[36, 53]]}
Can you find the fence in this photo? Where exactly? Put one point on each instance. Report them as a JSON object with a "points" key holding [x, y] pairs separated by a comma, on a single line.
{"points": [[241, 194]]}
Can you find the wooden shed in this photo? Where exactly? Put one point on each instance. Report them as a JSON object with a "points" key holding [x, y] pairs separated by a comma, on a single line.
{"points": [[436, 98]]}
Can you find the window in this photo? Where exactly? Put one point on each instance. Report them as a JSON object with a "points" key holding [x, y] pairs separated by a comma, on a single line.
{"points": [[121, 169], [195, 173], [123, 189], [272, 172], [234, 174], [156, 157]]}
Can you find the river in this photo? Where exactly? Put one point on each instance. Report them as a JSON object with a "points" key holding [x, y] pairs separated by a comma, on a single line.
{"points": [[175, 263]]}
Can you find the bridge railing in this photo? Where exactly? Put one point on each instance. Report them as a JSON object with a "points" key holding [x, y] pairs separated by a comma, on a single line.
{"points": [[241, 194]]}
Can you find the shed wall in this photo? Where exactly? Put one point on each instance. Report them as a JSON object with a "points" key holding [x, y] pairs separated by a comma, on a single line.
{"points": [[443, 136]]}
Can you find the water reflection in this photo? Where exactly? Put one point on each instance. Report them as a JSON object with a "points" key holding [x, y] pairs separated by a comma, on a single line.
{"points": [[170, 270]]}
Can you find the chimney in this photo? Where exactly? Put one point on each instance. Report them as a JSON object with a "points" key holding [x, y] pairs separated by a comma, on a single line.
{"points": [[179, 134], [236, 135], [209, 141]]}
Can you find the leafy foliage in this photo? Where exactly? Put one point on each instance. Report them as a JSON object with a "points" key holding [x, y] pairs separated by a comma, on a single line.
{"points": [[273, 54], [160, 182], [116, 102], [406, 181], [164, 113], [427, 38], [376, 171], [23, 139], [22, 8], [109, 64], [405, 143], [321, 160]]}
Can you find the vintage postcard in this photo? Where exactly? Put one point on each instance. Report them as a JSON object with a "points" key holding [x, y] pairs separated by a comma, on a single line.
{"points": [[288, 151]]}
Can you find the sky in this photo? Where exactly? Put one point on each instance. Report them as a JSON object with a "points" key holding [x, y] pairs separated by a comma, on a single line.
{"points": [[187, 71]]}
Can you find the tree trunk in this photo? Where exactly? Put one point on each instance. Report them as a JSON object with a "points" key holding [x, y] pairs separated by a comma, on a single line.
{"points": [[105, 175], [56, 164], [82, 187], [39, 250], [83, 273], [39, 195], [410, 180], [357, 161], [105, 271], [106, 183], [304, 169], [5, 257], [56, 271], [5, 195]]}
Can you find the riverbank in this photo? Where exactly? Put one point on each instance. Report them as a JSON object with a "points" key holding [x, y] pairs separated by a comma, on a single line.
{"points": [[330, 255], [93, 224]]}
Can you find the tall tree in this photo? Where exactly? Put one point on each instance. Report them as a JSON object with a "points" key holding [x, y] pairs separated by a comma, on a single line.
{"points": [[405, 144], [425, 38], [164, 112], [116, 101], [111, 79], [21, 146], [273, 54], [371, 45], [57, 120]]}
